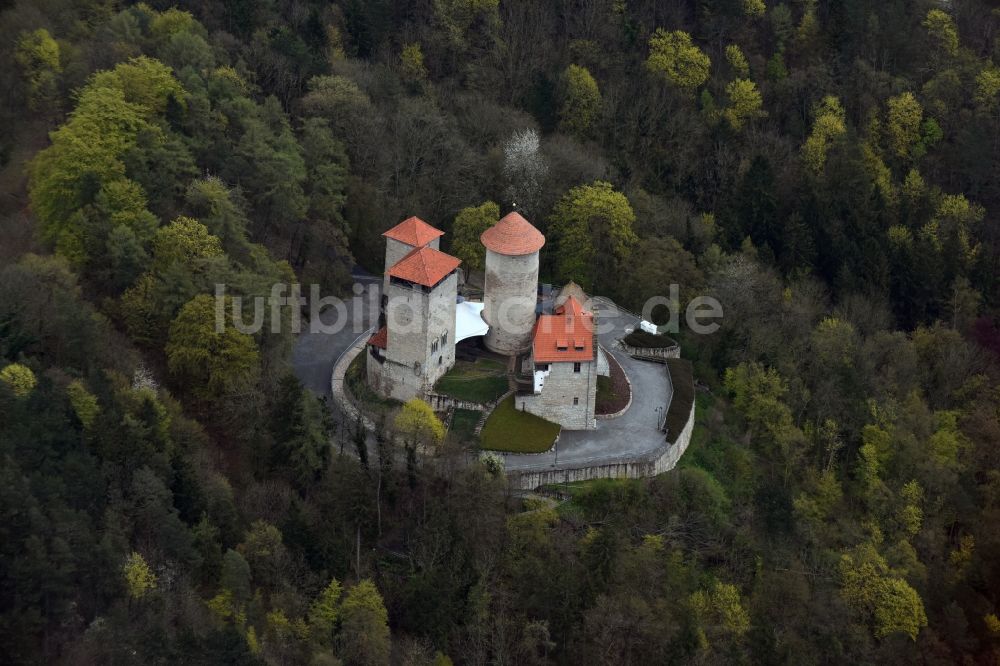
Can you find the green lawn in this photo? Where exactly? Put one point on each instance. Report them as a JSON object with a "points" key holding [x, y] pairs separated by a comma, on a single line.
{"points": [[509, 429], [482, 381], [463, 424]]}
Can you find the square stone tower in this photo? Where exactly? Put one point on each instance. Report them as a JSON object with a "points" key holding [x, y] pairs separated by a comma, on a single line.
{"points": [[416, 342]]}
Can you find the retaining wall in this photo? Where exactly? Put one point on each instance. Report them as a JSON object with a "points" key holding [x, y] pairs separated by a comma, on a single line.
{"points": [[654, 352], [662, 459]]}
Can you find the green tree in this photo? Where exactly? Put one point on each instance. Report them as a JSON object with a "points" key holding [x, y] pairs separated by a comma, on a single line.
{"points": [[302, 445], [988, 87], [212, 203], [738, 61], [470, 223], [235, 576], [721, 606], [942, 31], [213, 361], [38, 56], [828, 126], [87, 151], [325, 611], [364, 633], [19, 379], [758, 393], [903, 124], [412, 66], [593, 228], [139, 578], [673, 56], [888, 601], [418, 424], [265, 552], [753, 8], [184, 241], [84, 403], [657, 262], [581, 104], [745, 103]]}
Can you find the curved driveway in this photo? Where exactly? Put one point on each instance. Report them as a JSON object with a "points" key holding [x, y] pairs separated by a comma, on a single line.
{"points": [[633, 433], [316, 351]]}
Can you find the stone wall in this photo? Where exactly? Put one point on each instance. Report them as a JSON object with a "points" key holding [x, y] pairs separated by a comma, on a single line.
{"points": [[555, 402], [509, 296], [656, 352], [419, 319], [662, 459], [441, 403]]}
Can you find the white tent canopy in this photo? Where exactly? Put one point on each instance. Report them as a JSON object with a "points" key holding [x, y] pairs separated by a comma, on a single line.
{"points": [[469, 320]]}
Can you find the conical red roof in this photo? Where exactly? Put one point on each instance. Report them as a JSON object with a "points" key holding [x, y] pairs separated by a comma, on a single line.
{"points": [[513, 235]]}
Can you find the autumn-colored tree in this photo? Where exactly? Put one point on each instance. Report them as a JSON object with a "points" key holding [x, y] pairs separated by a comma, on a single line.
{"points": [[673, 56], [581, 103], [469, 225]]}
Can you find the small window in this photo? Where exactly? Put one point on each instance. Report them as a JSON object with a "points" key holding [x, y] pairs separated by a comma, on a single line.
{"points": [[440, 360], [576, 401], [576, 367], [444, 338], [434, 346]]}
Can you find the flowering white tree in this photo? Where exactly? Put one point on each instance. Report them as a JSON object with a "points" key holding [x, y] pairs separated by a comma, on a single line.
{"points": [[142, 379], [524, 169]]}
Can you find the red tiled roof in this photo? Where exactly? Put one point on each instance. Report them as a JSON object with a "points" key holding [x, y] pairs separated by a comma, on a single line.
{"points": [[380, 339], [571, 306], [513, 235], [425, 266], [567, 336], [413, 231]]}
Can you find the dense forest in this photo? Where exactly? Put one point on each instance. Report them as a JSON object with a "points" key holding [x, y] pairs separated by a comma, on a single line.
{"points": [[829, 170]]}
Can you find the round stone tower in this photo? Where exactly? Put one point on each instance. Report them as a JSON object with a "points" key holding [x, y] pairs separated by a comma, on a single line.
{"points": [[511, 287]]}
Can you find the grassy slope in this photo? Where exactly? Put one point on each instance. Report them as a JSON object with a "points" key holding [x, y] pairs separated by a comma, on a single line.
{"points": [[483, 381], [509, 429]]}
